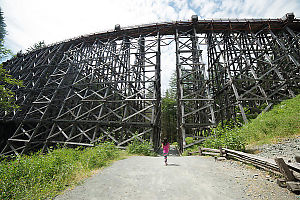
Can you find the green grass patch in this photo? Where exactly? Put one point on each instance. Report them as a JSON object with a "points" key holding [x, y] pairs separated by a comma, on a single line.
{"points": [[39, 176], [283, 121]]}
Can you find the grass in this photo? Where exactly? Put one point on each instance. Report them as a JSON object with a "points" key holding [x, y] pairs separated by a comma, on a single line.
{"points": [[282, 122], [43, 176], [138, 147], [39, 176]]}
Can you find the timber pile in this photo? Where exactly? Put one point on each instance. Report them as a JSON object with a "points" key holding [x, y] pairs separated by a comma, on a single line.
{"points": [[208, 151], [260, 162], [290, 171]]}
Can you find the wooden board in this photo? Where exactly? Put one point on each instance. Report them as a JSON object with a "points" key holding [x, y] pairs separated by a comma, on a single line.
{"points": [[293, 186], [284, 169]]}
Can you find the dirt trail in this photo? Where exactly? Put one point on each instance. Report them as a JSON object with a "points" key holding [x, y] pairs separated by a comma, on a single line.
{"points": [[184, 178]]}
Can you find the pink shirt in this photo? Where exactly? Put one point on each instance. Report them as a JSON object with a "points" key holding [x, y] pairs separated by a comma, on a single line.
{"points": [[166, 148]]}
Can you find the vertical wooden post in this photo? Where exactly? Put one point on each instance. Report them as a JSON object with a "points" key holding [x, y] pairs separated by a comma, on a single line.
{"points": [[297, 158], [180, 107], [284, 169], [221, 151], [200, 151], [157, 93]]}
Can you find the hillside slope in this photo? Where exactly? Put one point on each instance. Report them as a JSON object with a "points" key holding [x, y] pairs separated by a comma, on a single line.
{"points": [[283, 121]]}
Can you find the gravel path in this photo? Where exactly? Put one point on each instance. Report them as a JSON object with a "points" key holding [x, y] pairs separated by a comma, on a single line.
{"points": [[185, 178], [286, 149]]}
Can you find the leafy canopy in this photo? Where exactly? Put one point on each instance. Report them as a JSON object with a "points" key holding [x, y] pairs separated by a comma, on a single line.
{"points": [[37, 45], [7, 96]]}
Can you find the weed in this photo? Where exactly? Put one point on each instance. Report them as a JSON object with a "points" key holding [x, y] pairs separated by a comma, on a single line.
{"points": [[41, 176], [280, 122], [140, 148]]}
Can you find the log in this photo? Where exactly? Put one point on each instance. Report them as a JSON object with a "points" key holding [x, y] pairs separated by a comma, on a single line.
{"points": [[293, 186], [213, 150], [297, 158], [256, 160], [193, 152], [284, 169], [281, 182], [261, 164], [211, 153], [253, 158]]}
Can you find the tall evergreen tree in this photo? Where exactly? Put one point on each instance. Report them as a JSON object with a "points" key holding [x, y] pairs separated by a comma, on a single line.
{"points": [[7, 96], [2, 26], [168, 111]]}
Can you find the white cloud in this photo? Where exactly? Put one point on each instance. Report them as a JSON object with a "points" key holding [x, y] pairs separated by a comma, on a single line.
{"points": [[245, 8]]}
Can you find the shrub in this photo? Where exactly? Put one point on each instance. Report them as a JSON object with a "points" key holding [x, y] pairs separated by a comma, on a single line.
{"points": [[189, 140], [228, 136], [41, 176], [140, 148], [175, 144]]}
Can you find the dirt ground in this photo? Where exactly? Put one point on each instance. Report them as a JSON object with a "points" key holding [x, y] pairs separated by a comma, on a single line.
{"points": [[191, 177]]}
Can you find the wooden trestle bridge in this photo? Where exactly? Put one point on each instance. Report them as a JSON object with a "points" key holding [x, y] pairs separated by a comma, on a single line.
{"points": [[107, 86]]}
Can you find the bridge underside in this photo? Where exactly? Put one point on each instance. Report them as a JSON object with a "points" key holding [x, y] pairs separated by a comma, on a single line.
{"points": [[107, 86]]}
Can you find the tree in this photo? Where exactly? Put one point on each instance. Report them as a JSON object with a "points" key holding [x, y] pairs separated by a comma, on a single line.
{"points": [[37, 45], [168, 111], [168, 117], [2, 26], [7, 96]]}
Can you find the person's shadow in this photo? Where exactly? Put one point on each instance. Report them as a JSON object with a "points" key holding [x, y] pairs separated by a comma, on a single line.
{"points": [[173, 165]]}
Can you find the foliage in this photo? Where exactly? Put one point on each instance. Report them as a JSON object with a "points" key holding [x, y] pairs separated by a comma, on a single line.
{"points": [[173, 86], [168, 117], [175, 143], [7, 99], [189, 140], [226, 137], [191, 149], [2, 26], [140, 148], [42, 176], [280, 122], [37, 45]]}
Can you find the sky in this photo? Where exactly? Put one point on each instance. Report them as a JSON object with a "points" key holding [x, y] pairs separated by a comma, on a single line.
{"points": [[31, 21]]}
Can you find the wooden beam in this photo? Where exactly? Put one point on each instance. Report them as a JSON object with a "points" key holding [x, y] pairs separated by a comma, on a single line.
{"points": [[284, 169]]}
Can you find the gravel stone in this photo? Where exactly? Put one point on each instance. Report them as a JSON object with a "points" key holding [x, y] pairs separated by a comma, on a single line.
{"points": [[286, 149]]}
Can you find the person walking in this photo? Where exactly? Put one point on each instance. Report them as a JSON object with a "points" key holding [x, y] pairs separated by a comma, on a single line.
{"points": [[166, 147]]}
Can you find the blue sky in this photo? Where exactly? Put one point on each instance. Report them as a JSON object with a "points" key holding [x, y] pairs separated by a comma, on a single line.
{"points": [[30, 21]]}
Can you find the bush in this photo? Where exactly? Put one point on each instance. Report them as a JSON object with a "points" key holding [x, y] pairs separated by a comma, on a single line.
{"points": [[175, 144], [41, 176], [191, 149], [140, 148], [189, 140], [228, 136]]}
